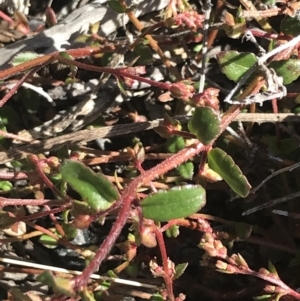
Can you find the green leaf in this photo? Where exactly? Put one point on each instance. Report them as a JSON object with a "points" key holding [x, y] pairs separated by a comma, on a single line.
{"points": [[175, 203], [23, 57], [173, 231], [48, 241], [60, 285], [235, 64], [116, 6], [179, 269], [290, 26], [94, 188], [272, 268], [8, 115], [262, 297], [143, 52], [87, 295], [186, 170], [81, 208], [121, 87], [173, 145], [3, 129], [223, 164], [205, 124], [6, 186], [288, 69], [157, 297], [70, 230]]}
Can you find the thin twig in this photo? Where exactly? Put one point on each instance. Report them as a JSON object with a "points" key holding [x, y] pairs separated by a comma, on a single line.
{"points": [[277, 172], [273, 203], [207, 9]]}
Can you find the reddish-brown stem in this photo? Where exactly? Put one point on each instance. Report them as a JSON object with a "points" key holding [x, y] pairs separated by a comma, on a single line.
{"points": [[164, 257], [29, 202], [50, 58], [119, 72], [269, 278], [193, 225], [18, 85], [130, 192], [42, 229], [38, 215], [202, 162], [266, 35], [142, 171], [183, 134], [63, 242], [34, 159], [58, 227], [6, 18], [127, 197], [112, 236]]}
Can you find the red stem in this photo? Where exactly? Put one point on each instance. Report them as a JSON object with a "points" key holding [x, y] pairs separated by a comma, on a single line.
{"points": [[164, 257], [117, 72], [29, 202], [269, 278], [18, 85], [129, 194], [34, 159], [51, 58]]}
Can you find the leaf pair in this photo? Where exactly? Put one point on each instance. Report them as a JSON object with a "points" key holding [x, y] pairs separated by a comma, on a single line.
{"points": [[100, 194]]}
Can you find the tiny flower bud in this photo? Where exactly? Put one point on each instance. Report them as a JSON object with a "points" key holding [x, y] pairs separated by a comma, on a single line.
{"points": [[182, 90], [263, 271], [82, 221], [221, 265]]}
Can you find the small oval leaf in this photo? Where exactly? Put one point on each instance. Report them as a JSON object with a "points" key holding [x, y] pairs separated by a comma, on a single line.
{"points": [[94, 188], [23, 57], [288, 69], [205, 124], [116, 6], [173, 145], [180, 268], [186, 170], [224, 165], [175, 203], [48, 241], [235, 64], [290, 26]]}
